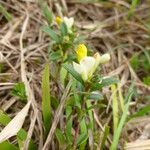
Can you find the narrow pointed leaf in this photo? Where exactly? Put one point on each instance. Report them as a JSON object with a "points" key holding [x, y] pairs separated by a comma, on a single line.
{"points": [[46, 105]]}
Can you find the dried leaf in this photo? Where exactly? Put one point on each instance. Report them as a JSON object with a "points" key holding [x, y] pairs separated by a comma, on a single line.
{"points": [[15, 125]]}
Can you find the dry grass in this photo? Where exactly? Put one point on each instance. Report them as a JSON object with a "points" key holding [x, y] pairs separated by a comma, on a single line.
{"points": [[23, 51]]}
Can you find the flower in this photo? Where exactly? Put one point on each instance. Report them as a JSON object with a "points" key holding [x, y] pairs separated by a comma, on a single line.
{"points": [[87, 64], [68, 21]]}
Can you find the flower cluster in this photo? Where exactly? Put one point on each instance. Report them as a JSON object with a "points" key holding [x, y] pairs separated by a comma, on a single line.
{"points": [[86, 65]]}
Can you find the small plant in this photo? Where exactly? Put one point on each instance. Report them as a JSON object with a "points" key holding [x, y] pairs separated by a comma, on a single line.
{"points": [[19, 91], [70, 61]]}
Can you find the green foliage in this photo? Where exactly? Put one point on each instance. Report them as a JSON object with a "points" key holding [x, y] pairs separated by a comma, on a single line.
{"points": [[19, 91], [46, 103]]}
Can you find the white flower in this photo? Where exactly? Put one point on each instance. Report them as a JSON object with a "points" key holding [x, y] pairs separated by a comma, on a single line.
{"points": [[69, 23], [87, 64], [86, 67]]}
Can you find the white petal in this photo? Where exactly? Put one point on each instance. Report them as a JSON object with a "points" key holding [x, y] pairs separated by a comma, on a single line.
{"points": [[88, 64], [69, 22], [78, 68], [81, 70], [104, 58]]}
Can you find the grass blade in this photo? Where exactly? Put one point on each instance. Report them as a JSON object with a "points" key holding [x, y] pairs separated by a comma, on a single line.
{"points": [[7, 15], [46, 104], [104, 138], [132, 7], [115, 106], [123, 119]]}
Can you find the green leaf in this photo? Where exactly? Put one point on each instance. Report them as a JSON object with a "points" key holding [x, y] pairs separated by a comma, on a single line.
{"points": [[95, 96], [19, 91], [63, 29], [104, 82], [75, 74], [68, 128], [46, 103], [53, 56], [7, 146], [47, 13], [4, 119], [81, 139], [60, 137], [83, 129], [63, 75], [90, 114], [51, 33], [21, 137]]}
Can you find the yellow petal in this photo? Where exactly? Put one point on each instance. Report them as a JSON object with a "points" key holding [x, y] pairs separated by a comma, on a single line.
{"points": [[81, 52], [58, 20]]}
